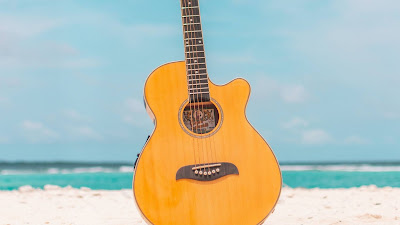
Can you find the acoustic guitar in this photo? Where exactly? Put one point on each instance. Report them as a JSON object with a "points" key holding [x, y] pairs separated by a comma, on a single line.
{"points": [[204, 163]]}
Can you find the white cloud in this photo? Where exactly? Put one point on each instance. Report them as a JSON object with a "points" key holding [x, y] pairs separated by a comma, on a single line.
{"points": [[9, 82], [3, 99], [133, 34], [16, 49], [87, 132], [134, 105], [76, 116], [132, 120], [244, 58], [266, 87], [3, 140], [353, 34], [134, 113], [37, 132], [315, 136], [391, 115], [295, 123], [355, 139], [293, 93], [154, 29], [21, 27]]}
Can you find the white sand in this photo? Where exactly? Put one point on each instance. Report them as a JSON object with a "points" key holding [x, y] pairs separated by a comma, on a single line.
{"points": [[54, 205]]}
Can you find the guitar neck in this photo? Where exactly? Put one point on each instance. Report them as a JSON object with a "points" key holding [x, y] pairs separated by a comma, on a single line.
{"points": [[196, 68]]}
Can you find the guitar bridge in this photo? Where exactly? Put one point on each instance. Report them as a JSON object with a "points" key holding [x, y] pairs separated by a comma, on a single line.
{"points": [[206, 172]]}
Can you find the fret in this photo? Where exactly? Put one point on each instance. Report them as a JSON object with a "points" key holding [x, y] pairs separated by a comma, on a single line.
{"points": [[191, 19], [192, 90], [193, 34], [188, 24], [193, 52], [197, 81], [193, 31], [191, 60], [197, 46], [197, 65], [199, 97], [197, 69], [190, 7], [194, 48], [192, 27], [191, 86], [190, 3], [197, 76], [191, 15], [193, 77], [194, 41], [195, 55], [199, 94], [191, 12], [199, 91], [197, 72]]}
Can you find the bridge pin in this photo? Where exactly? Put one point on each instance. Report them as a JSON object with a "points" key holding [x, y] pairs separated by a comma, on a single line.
{"points": [[213, 171], [201, 172], [196, 172], [217, 170], [209, 172]]}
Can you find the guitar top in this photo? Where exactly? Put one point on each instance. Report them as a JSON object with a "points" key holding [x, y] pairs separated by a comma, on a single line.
{"points": [[204, 163]]}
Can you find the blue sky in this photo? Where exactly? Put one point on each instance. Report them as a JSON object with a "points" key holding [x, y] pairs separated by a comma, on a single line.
{"points": [[324, 74]]}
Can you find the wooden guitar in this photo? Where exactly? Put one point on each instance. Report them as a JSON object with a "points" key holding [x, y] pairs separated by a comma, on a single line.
{"points": [[204, 163]]}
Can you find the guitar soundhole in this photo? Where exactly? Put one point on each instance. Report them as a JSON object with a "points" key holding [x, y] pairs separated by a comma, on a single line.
{"points": [[200, 117]]}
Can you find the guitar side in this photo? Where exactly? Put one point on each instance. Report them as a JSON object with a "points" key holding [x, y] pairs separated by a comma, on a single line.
{"points": [[244, 198]]}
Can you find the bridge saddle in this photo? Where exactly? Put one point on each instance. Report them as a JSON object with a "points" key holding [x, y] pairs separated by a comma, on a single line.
{"points": [[206, 172]]}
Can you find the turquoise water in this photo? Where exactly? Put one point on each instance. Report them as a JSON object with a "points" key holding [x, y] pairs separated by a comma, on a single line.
{"points": [[116, 176], [340, 179], [115, 181]]}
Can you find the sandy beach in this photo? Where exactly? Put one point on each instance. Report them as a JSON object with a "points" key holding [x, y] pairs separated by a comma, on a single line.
{"points": [[55, 205]]}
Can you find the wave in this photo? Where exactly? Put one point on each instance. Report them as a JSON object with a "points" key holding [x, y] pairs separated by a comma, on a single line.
{"points": [[343, 168], [97, 169], [7, 168]]}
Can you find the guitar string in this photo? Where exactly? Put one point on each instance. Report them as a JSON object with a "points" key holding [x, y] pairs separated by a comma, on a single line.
{"points": [[195, 68], [210, 139], [196, 160], [208, 188], [193, 44], [194, 82], [207, 162], [185, 194], [205, 139], [200, 102]]}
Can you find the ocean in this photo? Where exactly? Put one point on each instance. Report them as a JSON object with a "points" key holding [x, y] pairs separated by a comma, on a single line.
{"points": [[115, 176]]}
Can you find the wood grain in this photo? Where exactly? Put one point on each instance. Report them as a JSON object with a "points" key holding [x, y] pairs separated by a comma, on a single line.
{"points": [[244, 199]]}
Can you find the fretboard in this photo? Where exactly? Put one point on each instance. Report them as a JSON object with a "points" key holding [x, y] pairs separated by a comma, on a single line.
{"points": [[196, 69]]}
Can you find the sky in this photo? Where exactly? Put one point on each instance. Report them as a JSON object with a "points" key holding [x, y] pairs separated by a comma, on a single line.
{"points": [[325, 75]]}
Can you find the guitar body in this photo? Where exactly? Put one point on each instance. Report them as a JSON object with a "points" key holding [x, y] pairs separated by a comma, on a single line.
{"points": [[245, 197]]}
